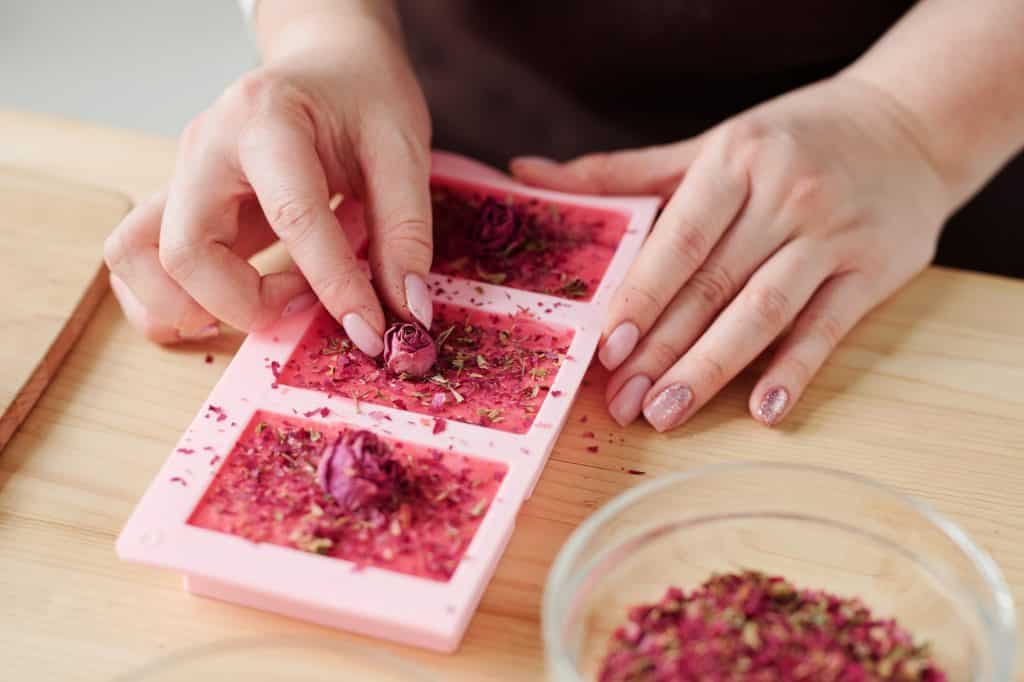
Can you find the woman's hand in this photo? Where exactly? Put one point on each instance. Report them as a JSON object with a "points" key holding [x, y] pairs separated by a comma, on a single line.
{"points": [[335, 109], [789, 222]]}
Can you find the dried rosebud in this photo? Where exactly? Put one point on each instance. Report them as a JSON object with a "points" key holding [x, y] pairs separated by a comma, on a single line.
{"points": [[358, 470], [499, 228], [409, 349]]}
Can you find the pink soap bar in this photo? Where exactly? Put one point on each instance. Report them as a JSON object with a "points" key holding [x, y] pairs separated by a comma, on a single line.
{"points": [[493, 369], [267, 491], [542, 246]]}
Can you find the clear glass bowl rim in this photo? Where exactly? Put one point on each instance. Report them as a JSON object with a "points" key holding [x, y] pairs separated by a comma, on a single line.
{"points": [[1002, 626]]}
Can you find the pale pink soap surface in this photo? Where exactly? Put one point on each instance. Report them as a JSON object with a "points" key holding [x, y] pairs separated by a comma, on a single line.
{"points": [[267, 491], [560, 249], [493, 369]]}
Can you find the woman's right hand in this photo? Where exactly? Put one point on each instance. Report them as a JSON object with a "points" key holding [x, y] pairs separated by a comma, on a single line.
{"points": [[336, 108]]}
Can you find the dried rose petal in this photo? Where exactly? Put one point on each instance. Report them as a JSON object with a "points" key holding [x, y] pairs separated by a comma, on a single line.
{"points": [[750, 626], [267, 490], [409, 349], [489, 365], [499, 228], [358, 470]]}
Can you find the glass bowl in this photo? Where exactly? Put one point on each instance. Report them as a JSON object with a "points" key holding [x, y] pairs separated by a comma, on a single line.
{"points": [[819, 528]]}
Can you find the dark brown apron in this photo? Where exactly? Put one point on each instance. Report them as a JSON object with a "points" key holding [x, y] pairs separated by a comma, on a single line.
{"points": [[559, 79]]}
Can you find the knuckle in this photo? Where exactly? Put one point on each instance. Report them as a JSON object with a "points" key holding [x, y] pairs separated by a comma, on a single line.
{"points": [[336, 286], [806, 192], [709, 371], [253, 88], [397, 135], [743, 139], [179, 261], [660, 353], [638, 297], [713, 284], [292, 218], [410, 235], [689, 246], [799, 369], [827, 326], [770, 306]]}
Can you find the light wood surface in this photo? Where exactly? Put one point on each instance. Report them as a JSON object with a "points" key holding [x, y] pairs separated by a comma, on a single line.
{"points": [[925, 395], [53, 278]]}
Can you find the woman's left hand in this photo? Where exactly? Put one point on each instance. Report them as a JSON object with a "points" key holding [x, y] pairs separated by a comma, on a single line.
{"points": [[791, 220]]}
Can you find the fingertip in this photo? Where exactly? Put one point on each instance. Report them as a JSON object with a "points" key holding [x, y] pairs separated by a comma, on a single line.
{"points": [[298, 304], [282, 294], [364, 336], [527, 165], [208, 332], [618, 345], [139, 317], [627, 402], [541, 172], [418, 301], [669, 407]]}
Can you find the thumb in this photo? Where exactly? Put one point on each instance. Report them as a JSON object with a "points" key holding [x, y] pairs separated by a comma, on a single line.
{"points": [[396, 171], [649, 170]]}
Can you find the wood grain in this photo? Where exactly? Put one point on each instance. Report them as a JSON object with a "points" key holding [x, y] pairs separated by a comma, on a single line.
{"points": [[51, 232], [925, 395]]}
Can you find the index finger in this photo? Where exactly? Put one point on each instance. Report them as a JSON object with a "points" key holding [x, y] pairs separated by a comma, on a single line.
{"points": [[707, 202], [280, 161]]}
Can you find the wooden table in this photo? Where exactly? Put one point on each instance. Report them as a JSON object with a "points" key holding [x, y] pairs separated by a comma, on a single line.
{"points": [[926, 395]]}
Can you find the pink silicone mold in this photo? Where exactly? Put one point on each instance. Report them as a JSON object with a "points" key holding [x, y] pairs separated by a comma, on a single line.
{"points": [[374, 599]]}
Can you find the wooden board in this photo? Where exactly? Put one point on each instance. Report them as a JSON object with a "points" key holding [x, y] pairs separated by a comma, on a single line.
{"points": [[51, 237]]}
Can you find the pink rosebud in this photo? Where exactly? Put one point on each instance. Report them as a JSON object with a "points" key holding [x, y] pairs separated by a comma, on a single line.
{"points": [[358, 470], [499, 228], [409, 348]]}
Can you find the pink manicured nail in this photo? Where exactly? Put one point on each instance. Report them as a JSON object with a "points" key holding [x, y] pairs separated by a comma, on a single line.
{"points": [[417, 298], [667, 409], [207, 332], [625, 406], [619, 345], [362, 334], [773, 404], [299, 303]]}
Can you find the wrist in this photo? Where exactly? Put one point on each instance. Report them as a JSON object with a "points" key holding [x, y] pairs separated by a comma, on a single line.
{"points": [[908, 130], [287, 27]]}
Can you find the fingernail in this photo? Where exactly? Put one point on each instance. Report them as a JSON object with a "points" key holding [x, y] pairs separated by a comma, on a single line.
{"points": [[625, 406], [299, 303], [417, 298], [667, 409], [361, 333], [207, 332], [773, 404], [619, 344]]}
